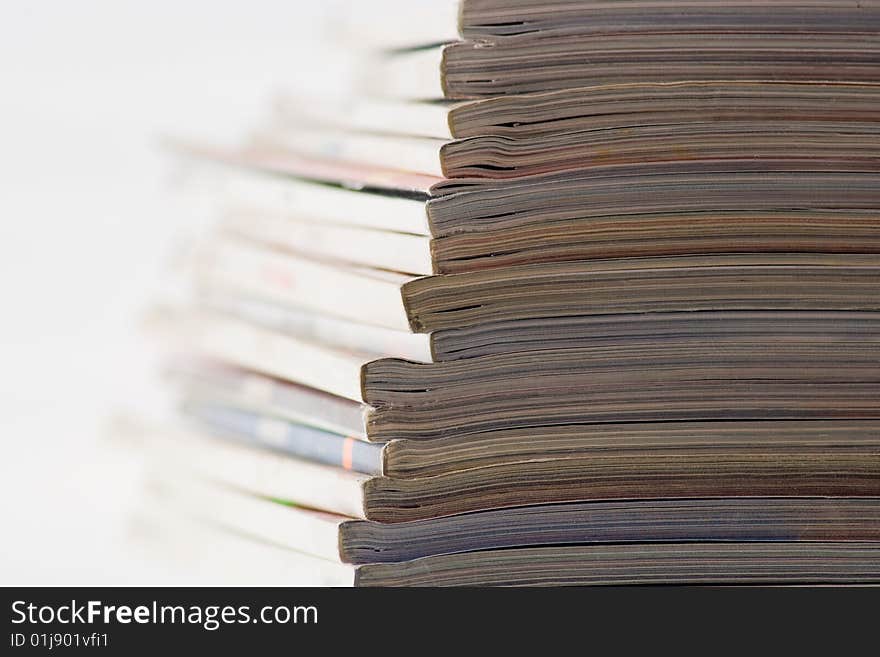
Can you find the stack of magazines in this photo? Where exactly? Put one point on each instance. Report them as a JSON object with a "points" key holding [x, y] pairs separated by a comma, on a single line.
{"points": [[566, 292]]}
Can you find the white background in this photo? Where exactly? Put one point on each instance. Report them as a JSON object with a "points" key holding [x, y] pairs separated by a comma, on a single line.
{"points": [[88, 227]]}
